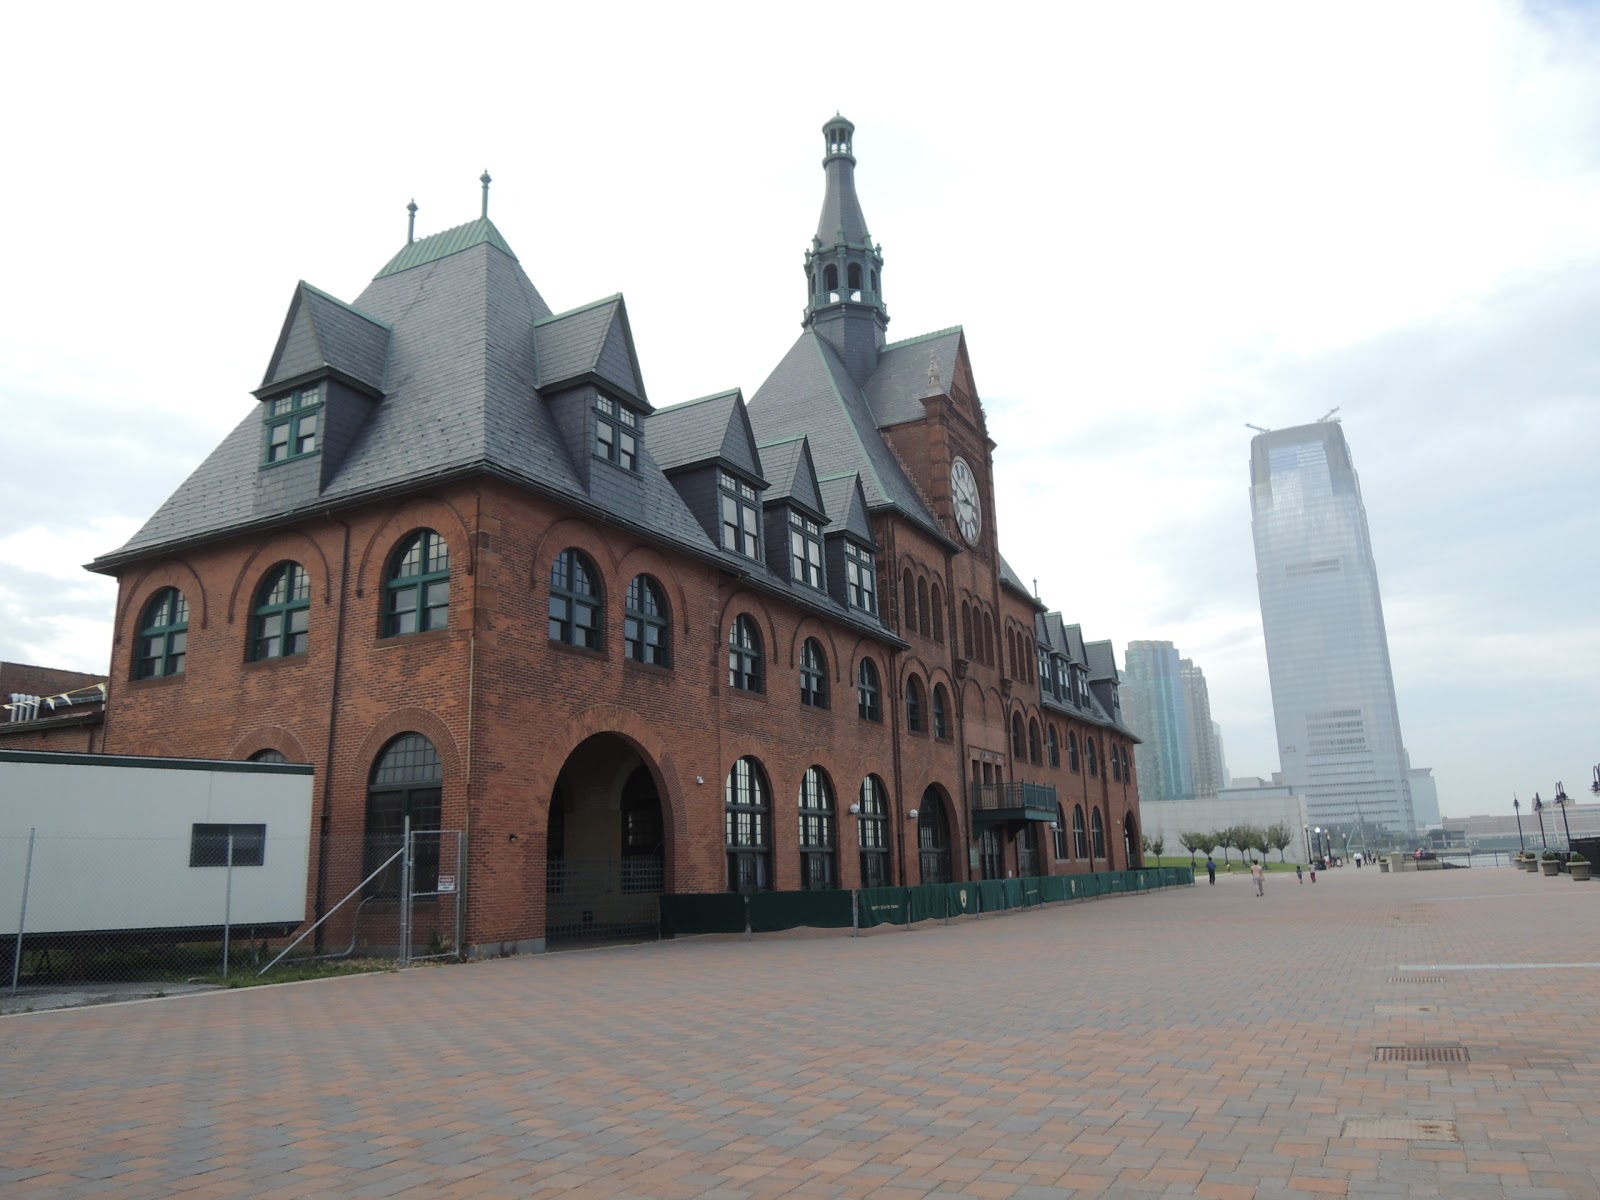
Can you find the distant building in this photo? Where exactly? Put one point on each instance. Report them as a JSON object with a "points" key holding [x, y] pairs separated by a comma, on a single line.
{"points": [[1205, 751], [1424, 796], [1333, 696], [1156, 704], [47, 708], [1222, 756]]}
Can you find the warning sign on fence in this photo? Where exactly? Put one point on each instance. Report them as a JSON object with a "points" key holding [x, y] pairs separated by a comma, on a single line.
{"points": [[447, 883]]}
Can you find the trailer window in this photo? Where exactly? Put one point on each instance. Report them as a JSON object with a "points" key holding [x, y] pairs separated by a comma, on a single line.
{"points": [[208, 846]]}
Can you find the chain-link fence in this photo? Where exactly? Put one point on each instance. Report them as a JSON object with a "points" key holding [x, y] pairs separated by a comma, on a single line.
{"points": [[225, 901]]}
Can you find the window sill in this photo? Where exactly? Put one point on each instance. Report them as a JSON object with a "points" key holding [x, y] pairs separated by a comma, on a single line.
{"points": [[579, 651], [648, 669], [279, 660], [412, 639], [747, 693], [151, 681]]}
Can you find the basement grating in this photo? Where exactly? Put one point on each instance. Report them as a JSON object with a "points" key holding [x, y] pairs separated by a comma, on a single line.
{"points": [[1416, 979], [1400, 1129], [1421, 1054]]}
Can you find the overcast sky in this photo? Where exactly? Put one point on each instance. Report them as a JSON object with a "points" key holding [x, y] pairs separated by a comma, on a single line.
{"points": [[1156, 223]]}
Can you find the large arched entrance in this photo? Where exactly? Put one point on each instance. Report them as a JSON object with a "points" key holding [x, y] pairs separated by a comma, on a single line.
{"points": [[933, 838], [605, 847], [1132, 846]]}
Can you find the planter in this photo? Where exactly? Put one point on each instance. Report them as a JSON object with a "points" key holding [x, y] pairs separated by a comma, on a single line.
{"points": [[1528, 864], [1550, 866], [1579, 870]]}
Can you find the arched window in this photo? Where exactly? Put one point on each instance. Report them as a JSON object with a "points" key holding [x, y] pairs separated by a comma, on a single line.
{"points": [[872, 829], [1099, 828], [914, 705], [813, 675], [1033, 742], [282, 619], [908, 603], [868, 700], [1094, 763], [417, 589], [575, 601], [941, 713], [830, 276], [988, 639], [1059, 829], [1017, 749], [748, 823], [1116, 764], [407, 781], [1052, 745], [924, 617], [968, 646], [744, 655], [1072, 750], [645, 624], [1011, 653], [163, 636], [853, 277], [268, 756], [933, 839], [817, 872], [937, 604], [1080, 840]]}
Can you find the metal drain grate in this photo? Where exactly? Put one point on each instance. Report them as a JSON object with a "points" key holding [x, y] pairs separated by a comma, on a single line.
{"points": [[1416, 979], [1400, 1129], [1422, 1054]]}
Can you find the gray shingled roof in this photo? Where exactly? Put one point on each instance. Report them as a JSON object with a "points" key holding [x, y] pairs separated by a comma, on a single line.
{"points": [[846, 506], [590, 342], [323, 332], [896, 388], [1010, 578], [710, 429], [809, 392], [791, 476]]}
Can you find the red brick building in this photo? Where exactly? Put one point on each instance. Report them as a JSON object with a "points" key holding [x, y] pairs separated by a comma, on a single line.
{"points": [[458, 561]]}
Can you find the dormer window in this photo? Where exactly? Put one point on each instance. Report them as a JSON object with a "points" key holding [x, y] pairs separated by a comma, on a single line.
{"points": [[860, 578], [741, 516], [293, 421], [805, 550], [616, 433]]}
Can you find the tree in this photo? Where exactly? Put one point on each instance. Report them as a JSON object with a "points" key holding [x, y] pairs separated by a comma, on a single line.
{"points": [[1255, 840], [1278, 837], [1157, 845], [1193, 841], [1227, 838]]}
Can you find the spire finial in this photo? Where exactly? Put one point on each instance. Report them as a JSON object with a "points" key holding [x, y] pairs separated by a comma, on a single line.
{"points": [[485, 180], [411, 221], [935, 387]]}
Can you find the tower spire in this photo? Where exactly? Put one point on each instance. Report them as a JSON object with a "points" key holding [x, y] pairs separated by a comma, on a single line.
{"points": [[486, 181], [844, 267], [411, 221]]}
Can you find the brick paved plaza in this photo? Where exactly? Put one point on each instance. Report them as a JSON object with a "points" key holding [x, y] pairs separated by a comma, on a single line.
{"points": [[1157, 1045]]}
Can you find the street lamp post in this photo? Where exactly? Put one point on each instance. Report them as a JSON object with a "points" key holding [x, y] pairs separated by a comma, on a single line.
{"points": [[1561, 803], [1517, 805], [1306, 830], [1538, 811]]}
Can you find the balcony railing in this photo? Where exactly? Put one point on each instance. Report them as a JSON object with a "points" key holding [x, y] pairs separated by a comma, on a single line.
{"points": [[990, 797]]}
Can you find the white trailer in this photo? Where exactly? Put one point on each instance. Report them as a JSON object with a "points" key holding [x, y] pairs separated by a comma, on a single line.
{"points": [[136, 847]]}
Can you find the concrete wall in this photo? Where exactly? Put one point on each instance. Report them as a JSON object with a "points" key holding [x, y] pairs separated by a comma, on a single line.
{"points": [[1167, 819]]}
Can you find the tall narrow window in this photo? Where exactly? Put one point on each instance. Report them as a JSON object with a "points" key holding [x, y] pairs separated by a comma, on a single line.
{"points": [[1099, 828], [292, 424], [869, 704], [417, 590], [805, 550], [644, 624], [281, 624], [924, 618], [1059, 828], [1116, 764], [861, 578], [933, 839], [407, 782], [163, 636], [937, 604], [744, 655], [748, 828], [873, 833], [1053, 745], [1072, 750], [1094, 762], [914, 718], [616, 429], [813, 675], [574, 601], [741, 516], [908, 603], [1033, 742], [817, 870], [1080, 839], [941, 713], [1017, 750]]}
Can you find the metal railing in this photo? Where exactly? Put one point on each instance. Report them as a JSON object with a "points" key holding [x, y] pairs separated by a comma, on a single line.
{"points": [[988, 797]]}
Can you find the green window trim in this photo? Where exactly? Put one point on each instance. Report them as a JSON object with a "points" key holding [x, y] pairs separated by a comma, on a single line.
{"points": [[280, 625], [163, 636], [417, 589], [575, 602], [616, 433], [646, 629], [293, 425]]}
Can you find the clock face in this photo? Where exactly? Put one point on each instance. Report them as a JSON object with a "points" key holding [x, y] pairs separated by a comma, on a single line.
{"points": [[969, 509]]}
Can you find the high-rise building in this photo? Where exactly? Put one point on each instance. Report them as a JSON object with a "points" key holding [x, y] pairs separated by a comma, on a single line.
{"points": [[1156, 705], [1205, 753], [1327, 652]]}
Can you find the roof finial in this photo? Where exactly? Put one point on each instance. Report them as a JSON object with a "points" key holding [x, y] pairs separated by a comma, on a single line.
{"points": [[485, 180], [935, 387], [411, 221]]}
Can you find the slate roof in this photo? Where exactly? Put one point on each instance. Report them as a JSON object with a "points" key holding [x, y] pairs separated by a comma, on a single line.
{"points": [[592, 342], [1010, 578], [697, 432], [810, 393], [846, 506], [322, 332], [791, 476], [896, 388]]}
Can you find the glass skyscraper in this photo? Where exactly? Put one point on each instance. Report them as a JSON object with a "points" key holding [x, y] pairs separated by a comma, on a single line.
{"points": [[1333, 699], [1156, 706]]}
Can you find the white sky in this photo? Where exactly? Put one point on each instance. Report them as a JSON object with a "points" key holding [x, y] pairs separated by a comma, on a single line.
{"points": [[1155, 223]]}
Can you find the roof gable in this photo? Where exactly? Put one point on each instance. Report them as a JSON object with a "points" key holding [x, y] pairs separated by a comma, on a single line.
{"points": [[322, 334], [711, 429], [847, 508], [910, 371], [594, 342], [791, 475]]}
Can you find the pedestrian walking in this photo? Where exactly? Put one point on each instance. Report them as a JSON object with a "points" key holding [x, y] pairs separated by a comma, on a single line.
{"points": [[1260, 877], [1299, 874], [1211, 869]]}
